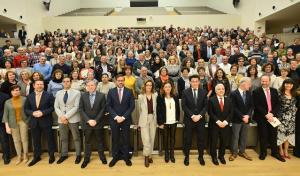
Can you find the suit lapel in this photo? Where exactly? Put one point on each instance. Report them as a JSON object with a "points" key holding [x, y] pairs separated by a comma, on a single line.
{"points": [[240, 96]]}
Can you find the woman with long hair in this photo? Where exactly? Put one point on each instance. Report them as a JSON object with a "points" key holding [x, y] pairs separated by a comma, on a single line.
{"points": [[10, 80], [147, 119], [219, 77], [168, 113], [287, 117]]}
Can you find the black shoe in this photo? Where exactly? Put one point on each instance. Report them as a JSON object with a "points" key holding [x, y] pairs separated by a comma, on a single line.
{"points": [[85, 163], [277, 156], [128, 162], [112, 162], [78, 159], [201, 161], [103, 159], [150, 160], [167, 158], [51, 159], [222, 160], [186, 161], [61, 159], [146, 161], [6, 160], [34, 161], [262, 156], [215, 161]]}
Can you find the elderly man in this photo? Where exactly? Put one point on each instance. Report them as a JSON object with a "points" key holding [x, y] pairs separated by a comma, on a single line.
{"points": [[6, 56], [62, 65], [243, 107], [141, 79], [138, 64], [19, 57], [44, 68], [104, 67], [34, 57]]}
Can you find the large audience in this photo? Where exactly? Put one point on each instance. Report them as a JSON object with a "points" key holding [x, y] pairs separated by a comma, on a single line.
{"points": [[225, 60]]}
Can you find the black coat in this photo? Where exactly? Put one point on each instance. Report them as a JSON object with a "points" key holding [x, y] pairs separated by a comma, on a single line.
{"points": [[161, 109], [241, 108]]}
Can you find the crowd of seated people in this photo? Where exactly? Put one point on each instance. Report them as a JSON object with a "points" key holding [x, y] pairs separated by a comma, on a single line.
{"points": [[232, 76]]}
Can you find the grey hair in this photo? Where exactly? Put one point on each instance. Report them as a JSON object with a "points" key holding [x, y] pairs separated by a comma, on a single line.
{"points": [[93, 81], [218, 85], [245, 79]]}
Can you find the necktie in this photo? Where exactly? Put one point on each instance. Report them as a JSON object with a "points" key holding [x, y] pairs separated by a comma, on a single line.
{"points": [[120, 95], [244, 97], [92, 99], [38, 99], [269, 100], [66, 97], [221, 104], [195, 96]]}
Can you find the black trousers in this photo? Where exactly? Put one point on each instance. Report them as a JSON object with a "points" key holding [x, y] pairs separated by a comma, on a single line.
{"points": [[120, 140], [189, 128], [99, 134], [36, 134], [218, 133], [4, 139], [169, 132], [267, 134]]}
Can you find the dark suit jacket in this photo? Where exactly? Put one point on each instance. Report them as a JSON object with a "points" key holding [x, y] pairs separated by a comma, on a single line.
{"points": [[161, 109], [180, 86], [204, 53], [215, 112], [46, 106], [241, 108], [190, 108], [92, 113], [3, 98], [125, 108], [261, 106]]}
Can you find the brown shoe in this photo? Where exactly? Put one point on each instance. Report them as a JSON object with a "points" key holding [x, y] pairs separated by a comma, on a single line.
{"points": [[244, 155], [146, 161], [232, 157], [150, 160]]}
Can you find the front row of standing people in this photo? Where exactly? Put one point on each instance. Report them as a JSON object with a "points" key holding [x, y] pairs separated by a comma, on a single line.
{"points": [[90, 108]]}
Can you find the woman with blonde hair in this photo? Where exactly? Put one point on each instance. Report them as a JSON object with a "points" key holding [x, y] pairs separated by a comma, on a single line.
{"points": [[147, 119]]}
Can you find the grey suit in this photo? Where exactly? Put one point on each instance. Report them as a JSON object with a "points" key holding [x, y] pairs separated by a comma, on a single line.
{"points": [[96, 112], [148, 123], [70, 111]]}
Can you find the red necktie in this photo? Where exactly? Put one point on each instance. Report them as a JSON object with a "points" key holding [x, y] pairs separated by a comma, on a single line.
{"points": [[221, 104]]}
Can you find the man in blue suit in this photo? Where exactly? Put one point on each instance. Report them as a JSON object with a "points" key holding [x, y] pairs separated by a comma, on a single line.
{"points": [[120, 104], [39, 106]]}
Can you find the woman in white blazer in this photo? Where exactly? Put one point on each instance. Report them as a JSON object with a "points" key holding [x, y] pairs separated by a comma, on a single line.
{"points": [[147, 120]]}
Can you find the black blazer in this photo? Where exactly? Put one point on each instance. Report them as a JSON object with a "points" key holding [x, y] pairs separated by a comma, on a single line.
{"points": [[261, 106], [215, 112], [190, 108], [46, 106], [3, 98], [92, 113], [204, 53], [125, 108], [180, 86], [161, 109], [240, 108]]}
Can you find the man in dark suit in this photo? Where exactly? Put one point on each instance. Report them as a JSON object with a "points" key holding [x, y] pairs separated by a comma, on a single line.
{"points": [[39, 106], [194, 105], [120, 104], [220, 112], [4, 139], [92, 107], [242, 105], [207, 51], [266, 106], [22, 35]]}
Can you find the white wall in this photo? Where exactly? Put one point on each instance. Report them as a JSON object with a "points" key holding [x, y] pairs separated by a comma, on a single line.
{"points": [[265, 7], [58, 7], [14, 12], [104, 3], [182, 3], [104, 22]]}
